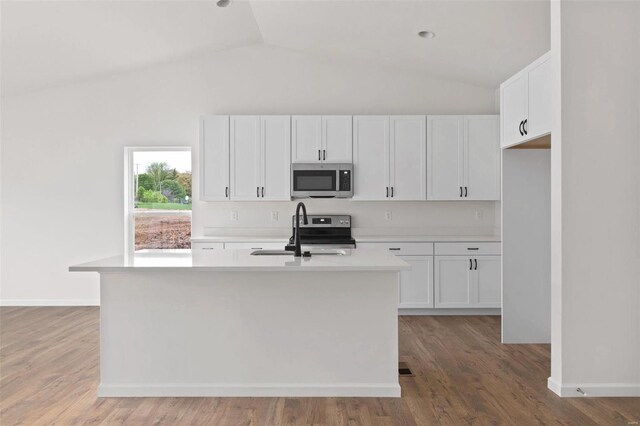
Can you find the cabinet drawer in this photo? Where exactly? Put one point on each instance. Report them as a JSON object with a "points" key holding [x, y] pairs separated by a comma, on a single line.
{"points": [[467, 249], [272, 245], [206, 246], [401, 249]]}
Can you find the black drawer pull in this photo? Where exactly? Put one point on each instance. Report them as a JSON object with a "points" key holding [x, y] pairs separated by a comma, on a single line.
{"points": [[476, 264], [256, 248], [470, 265], [394, 248], [473, 248]]}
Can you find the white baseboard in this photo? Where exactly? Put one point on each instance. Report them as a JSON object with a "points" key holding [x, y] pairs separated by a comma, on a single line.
{"points": [[248, 390], [49, 302], [594, 389], [449, 311]]}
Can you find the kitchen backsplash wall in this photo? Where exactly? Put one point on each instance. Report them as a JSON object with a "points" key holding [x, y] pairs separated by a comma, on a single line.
{"points": [[368, 218]]}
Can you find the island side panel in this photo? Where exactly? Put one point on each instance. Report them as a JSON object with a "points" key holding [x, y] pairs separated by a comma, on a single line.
{"points": [[249, 334]]}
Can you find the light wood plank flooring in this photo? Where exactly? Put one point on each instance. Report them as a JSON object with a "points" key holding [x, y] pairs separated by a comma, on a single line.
{"points": [[463, 375]]}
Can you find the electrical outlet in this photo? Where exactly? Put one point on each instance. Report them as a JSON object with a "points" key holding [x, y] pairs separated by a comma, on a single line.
{"points": [[234, 214], [274, 216], [387, 215], [479, 214]]}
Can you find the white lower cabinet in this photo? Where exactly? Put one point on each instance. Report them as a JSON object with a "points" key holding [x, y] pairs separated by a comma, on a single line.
{"points": [[416, 285], [488, 282], [453, 282], [467, 282]]}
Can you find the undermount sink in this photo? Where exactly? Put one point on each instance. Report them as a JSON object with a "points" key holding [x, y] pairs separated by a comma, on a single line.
{"points": [[330, 252]]}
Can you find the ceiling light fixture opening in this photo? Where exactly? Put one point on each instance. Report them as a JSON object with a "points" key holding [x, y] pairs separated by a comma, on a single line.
{"points": [[425, 34], [223, 3]]}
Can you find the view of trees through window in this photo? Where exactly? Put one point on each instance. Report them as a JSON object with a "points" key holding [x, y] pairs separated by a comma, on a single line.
{"points": [[162, 203]]}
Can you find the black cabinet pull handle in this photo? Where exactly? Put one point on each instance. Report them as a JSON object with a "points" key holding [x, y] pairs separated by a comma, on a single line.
{"points": [[470, 264], [476, 262], [226, 191], [256, 248], [392, 192], [465, 191], [520, 128], [387, 192], [461, 191], [324, 154], [263, 192], [473, 248], [524, 126], [258, 191], [319, 158], [394, 248]]}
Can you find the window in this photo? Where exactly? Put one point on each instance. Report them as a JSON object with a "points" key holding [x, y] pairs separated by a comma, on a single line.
{"points": [[157, 199]]}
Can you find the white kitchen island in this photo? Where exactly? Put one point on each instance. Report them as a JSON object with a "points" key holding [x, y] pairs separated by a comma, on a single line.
{"points": [[226, 323]]}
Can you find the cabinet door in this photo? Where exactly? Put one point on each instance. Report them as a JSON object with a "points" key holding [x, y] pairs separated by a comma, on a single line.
{"points": [[276, 158], [445, 156], [482, 157], [453, 282], [488, 286], [513, 109], [214, 158], [246, 167], [539, 93], [337, 139], [416, 285], [370, 157], [306, 139], [408, 158]]}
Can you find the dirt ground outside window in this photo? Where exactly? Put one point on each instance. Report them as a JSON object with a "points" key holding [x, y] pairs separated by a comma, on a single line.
{"points": [[158, 231]]}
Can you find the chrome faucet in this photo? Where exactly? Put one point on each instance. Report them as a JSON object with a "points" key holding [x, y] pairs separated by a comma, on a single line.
{"points": [[298, 251]]}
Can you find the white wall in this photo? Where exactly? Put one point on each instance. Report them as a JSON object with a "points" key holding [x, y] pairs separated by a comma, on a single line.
{"points": [[62, 167], [596, 199]]}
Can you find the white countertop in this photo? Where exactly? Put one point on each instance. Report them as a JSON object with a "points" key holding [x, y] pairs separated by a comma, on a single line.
{"points": [[362, 239], [241, 260]]}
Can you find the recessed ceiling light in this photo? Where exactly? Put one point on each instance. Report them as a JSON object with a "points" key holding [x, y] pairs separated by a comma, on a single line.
{"points": [[223, 3], [425, 34]]}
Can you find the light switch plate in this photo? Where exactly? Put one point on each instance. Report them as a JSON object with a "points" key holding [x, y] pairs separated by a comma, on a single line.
{"points": [[387, 215], [234, 215], [274, 216]]}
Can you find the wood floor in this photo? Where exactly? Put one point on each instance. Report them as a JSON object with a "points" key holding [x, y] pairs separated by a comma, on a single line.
{"points": [[463, 375]]}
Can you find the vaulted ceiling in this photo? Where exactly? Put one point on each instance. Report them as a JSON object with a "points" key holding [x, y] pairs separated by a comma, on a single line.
{"points": [[48, 43]]}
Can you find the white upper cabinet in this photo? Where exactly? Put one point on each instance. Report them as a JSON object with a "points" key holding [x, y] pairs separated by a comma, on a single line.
{"points": [[276, 157], [317, 139], [525, 103], [245, 159], [513, 109], [463, 153], [445, 154], [408, 158], [482, 157], [214, 158], [370, 157], [337, 139], [389, 157], [539, 97], [306, 139]]}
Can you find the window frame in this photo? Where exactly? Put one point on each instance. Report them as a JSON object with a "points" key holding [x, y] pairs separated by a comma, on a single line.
{"points": [[129, 194]]}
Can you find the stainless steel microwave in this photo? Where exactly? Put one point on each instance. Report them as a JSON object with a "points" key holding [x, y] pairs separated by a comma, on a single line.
{"points": [[322, 180]]}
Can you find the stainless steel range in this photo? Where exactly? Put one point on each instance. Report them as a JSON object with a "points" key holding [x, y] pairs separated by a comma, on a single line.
{"points": [[324, 231]]}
